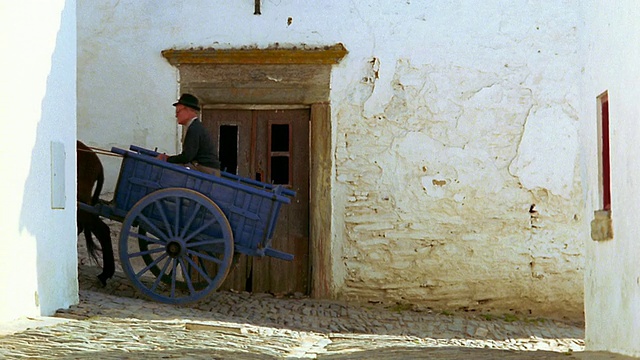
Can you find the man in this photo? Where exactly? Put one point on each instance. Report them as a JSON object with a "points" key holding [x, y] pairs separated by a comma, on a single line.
{"points": [[198, 148]]}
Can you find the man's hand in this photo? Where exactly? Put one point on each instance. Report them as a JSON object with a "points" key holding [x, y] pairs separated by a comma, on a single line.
{"points": [[162, 157]]}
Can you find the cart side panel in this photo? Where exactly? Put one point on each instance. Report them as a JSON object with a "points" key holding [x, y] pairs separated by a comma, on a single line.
{"points": [[252, 214]]}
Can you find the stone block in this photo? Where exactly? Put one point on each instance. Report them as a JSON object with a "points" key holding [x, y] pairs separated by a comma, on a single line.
{"points": [[602, 226]]}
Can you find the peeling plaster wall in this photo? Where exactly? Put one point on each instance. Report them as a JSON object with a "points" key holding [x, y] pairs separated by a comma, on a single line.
{"points": [[455, 130], [458, 164], [612, 279]]}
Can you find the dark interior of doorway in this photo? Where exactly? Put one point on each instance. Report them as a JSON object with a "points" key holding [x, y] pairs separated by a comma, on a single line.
{"points": [[228, 152]]}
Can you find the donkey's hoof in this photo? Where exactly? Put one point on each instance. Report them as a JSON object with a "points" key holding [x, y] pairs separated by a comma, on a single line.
{"points": [[103, 279]]}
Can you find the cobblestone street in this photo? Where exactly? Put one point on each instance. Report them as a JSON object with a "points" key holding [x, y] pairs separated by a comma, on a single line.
{"points": [[115, 322]]}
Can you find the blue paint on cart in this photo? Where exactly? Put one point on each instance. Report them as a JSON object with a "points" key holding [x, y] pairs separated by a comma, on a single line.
{"points": [[181, 227]]}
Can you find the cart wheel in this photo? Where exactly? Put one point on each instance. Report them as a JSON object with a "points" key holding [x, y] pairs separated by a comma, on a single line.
{"points": [[176, 245]]}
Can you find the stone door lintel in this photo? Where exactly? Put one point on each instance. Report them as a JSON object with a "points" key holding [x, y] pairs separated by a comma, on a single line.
{"points": [[327, 55]]}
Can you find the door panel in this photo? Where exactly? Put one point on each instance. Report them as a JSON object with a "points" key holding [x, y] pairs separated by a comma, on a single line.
{"points": [[236, 156], [221, 124], [285, 156], [270, 146]]}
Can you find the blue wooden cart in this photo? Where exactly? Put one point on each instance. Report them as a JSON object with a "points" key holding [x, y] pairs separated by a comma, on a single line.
{"points": [[181, 228]]}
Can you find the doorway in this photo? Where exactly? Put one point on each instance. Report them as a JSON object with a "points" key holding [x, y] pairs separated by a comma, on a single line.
{"points": [[270, 144], [299, 75]]}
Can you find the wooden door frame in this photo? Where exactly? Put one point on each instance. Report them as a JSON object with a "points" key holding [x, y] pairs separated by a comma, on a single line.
{"points": [[277, 77]]}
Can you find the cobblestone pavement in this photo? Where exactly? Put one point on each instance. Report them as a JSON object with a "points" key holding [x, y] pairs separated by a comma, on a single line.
{"points": [[115, 322]]}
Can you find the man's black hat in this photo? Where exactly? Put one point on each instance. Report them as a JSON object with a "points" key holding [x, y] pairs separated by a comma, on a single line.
{"points": [[188, 100]]}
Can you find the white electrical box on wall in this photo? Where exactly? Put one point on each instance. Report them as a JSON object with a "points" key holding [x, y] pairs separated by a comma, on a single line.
{"points": [[58, 196]]}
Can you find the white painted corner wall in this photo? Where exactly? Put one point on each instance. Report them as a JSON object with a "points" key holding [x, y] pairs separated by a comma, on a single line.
{"points": [[612, 279], [38, 271]]}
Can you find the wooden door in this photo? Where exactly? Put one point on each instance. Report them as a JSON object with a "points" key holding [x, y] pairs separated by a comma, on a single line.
{"points": [[270, 146]]}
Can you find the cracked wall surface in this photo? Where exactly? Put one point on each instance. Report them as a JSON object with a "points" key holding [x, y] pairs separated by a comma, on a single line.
{"points": [[460, 177]]}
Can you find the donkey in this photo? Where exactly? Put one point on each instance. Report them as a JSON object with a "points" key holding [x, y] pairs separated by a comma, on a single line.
{"points": [[90, 172]]}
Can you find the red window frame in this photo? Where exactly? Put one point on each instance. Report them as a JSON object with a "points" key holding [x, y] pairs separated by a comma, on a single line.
{"points": [[605, 153]]}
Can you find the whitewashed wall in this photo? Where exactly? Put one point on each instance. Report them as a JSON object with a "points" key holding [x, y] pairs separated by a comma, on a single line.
{"points": [[451, 120], [612, 281], [471, 121], [38, 264]]}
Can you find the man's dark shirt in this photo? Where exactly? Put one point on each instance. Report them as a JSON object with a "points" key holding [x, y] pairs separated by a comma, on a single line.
{"points": [[198, 147]]}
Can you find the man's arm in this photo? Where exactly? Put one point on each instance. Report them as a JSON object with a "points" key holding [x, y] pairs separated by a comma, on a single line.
{"points": [[189, 149]]}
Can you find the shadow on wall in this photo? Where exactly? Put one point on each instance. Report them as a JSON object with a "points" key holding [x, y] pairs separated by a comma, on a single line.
{"points": [[54, 229]]}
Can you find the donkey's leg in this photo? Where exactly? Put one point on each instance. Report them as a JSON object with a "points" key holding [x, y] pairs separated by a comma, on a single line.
{"points": [[86, 224], [103, 233], [80, 220]]}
